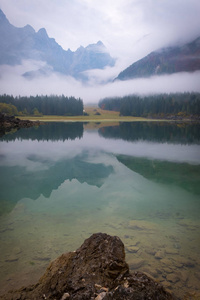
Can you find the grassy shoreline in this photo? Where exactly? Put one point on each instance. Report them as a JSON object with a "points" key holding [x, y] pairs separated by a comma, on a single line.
{"points": [[85, 119], [94, 115]]}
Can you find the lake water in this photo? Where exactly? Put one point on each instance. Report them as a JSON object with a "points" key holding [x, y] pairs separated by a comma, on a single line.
{"points": [[62, 182]]}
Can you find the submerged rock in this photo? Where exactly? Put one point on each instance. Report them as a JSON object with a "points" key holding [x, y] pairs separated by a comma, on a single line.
{"points": [[97, 270], [142, 225]]}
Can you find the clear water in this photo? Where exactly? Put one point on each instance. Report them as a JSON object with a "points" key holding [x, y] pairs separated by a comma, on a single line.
{"points": [[61, 182]]}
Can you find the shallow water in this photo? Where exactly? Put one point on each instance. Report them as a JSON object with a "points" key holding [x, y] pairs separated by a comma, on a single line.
{"points": [[60, 183]]}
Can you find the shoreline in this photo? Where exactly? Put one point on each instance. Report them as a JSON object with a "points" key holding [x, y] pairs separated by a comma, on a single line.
{"points": [[86, 119]]}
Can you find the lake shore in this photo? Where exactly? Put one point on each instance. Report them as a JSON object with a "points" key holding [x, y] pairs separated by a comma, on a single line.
{"points": [[95, 114]]}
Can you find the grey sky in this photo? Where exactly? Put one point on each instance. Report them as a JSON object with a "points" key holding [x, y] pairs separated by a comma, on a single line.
{"points": [[130, 29], [127, 27]]}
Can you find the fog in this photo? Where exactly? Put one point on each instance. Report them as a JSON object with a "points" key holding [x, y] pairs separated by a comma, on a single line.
{"points": [[92, 143], [130, 30], [13, 83]]}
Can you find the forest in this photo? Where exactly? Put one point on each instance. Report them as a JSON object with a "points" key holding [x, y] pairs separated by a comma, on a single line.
{"points": [[41, 105], [181, 104]]}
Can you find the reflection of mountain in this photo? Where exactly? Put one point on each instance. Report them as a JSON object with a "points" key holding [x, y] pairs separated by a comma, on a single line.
{"points": [[154, 131], [183, 175], [51, 131], [29, 184]]}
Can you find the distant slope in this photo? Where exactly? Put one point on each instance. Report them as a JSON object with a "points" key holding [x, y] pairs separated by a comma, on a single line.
{"points": [[18, 44], [165, 61]]}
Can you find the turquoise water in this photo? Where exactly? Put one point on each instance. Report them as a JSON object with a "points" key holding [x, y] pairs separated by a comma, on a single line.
{"points": [[62, 182]]}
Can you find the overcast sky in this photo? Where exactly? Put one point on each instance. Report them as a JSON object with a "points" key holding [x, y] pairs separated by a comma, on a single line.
{"points": [[130, 29]]}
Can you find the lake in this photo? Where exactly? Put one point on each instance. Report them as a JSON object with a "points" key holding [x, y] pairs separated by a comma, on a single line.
{"points": [[62, 182]]}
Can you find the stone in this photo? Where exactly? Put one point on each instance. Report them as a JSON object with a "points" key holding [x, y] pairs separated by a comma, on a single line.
{"points": [[101, 296], [150, 251], [17, 250], [150, 272], [185, 262], [65, 296], [100, 261], [2, 230], [142, 225], [197, 275], [189, 264], [132, 249], [178, 264], [12, 258], [189, 224], [166, 284], [173, 278], [184, 276], [136, 263], [47, 258], [167, 270], [159, 255], [171, 251]]}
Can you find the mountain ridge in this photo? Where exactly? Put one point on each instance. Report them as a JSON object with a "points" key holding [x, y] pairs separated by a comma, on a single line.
{"points": [[185, 58], [24, 43]]}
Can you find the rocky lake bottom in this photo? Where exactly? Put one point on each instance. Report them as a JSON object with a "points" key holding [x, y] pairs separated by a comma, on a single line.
{"points": [[57, 193], [157, 248]]}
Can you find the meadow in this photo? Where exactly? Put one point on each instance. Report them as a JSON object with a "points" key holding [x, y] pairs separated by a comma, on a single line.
{"points": [[91, 114]]}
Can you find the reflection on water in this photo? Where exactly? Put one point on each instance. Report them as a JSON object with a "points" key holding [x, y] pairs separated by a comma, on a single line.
{"points": [[154, 131], [183, 175], [57, 192], [28, 184], [53, 131]]}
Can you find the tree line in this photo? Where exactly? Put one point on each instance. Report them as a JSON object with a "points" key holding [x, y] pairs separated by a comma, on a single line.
{"points": [[41, 105], [181, 104]]}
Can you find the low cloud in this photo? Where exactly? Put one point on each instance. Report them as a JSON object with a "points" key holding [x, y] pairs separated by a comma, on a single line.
{"points": [[13, 83]]}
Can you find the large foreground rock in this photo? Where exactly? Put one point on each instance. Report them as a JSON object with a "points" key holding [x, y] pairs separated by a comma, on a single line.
{"points": [[97, 270]]}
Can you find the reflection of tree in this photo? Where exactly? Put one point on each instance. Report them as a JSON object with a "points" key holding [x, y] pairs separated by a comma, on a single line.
{"points": [[154, 131], [51, 131], [18, 182], [180, 174]]}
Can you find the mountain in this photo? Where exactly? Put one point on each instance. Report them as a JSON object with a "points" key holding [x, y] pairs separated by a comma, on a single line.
{"points": [[170, 60], [18, 44]]}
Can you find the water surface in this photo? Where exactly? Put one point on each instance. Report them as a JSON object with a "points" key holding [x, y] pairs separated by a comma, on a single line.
{"points": [[60, 183]]}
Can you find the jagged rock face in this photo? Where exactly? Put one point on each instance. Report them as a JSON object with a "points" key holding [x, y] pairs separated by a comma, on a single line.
{"points": [[18, 44], [97, 270]]}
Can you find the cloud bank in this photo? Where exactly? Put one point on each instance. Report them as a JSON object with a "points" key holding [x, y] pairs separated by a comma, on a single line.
{"points": [[130, 29], [12, 82]]}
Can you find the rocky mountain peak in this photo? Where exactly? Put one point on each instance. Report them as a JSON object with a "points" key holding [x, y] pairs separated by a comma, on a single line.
{"points": [[98, 47], [19, 44], [29, 29], [2, 15], [42, 33], [3, 19]]}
